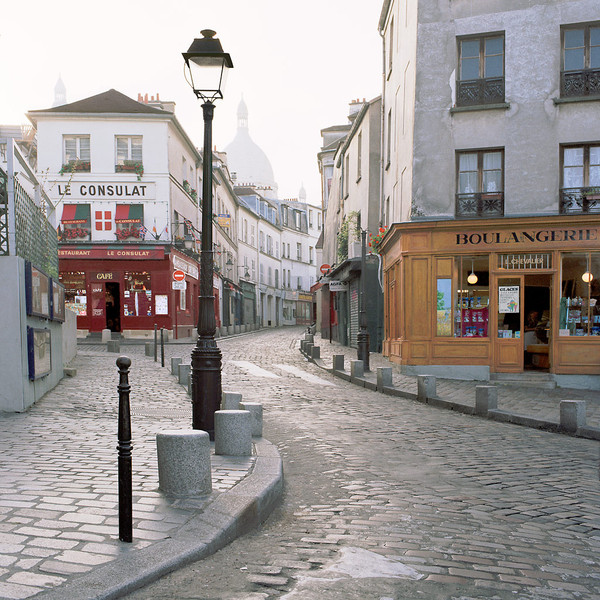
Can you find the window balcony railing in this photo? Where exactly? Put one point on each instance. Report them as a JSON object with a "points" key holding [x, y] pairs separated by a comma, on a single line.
{"points": [[579, 200], [481, 204], [475, 92], [574, 84]]}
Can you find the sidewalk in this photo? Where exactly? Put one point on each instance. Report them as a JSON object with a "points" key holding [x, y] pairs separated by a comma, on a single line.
{"points": [[59, 490], [525, 403]]}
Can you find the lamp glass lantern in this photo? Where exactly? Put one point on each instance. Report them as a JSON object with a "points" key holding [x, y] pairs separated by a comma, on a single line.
{"points": [[206, 66], [472, 278]]}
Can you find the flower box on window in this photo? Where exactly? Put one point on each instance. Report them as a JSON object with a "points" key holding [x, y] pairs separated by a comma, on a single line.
{"points": [[124, 233], [76, 165], [130, 166]]}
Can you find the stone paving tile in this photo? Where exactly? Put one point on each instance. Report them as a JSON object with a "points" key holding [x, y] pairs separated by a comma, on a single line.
{"points": [[58, 475]]}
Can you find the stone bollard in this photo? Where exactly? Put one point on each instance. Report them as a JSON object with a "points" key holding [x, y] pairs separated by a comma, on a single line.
{"points": [[338, 362], [175, 362], [315, 352], [572, 415], [233, 433], [425, 387], [357, 368], [113, 346], [106, 335], [184, 373], [184, 463], [486, 398], [309, 337], [384, 378], [149, 348], [256, 416], [230, 401], [308, 346], [302, 344], [189, 384]]}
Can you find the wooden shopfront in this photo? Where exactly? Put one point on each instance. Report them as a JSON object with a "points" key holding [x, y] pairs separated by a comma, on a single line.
{"points": [[509, 295]]}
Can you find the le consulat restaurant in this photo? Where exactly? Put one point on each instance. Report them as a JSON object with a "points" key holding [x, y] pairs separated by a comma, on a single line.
{"points": [[512, 295]]}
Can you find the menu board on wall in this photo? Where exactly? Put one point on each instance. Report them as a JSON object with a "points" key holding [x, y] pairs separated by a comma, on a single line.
{"points": [[37, 292], [58, 301], [38, 352], [161, 304], [508, 299]]}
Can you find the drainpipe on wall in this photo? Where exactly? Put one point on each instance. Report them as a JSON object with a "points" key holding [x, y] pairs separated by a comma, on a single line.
{"points": [[382, 136]]}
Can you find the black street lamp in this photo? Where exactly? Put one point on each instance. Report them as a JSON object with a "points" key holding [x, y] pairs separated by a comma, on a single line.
{"points": [[362, 339], [206, 67]]}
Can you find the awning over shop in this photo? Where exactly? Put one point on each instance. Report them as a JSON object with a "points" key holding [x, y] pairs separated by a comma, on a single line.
{"points": [[75, 214], [129, 213]]}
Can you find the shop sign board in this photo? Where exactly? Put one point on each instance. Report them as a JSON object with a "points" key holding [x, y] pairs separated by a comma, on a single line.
{"points": [[508, 299], [338, 286], [112, 252]]}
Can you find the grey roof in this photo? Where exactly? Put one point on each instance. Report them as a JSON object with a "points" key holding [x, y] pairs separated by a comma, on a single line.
{"points": [[106, 102]]}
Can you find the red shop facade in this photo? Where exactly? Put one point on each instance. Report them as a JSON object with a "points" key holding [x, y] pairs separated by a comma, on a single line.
{"points": [[129, 288]]}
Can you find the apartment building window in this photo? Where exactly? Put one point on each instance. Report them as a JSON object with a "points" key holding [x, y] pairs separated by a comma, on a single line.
{"points": [[254, 269], [480, 183], [299, 283], [310, 219], [269, 245], [128, 153], [391, 47], [310, 255], [284, 210], [580, 179], [299, 250], [580, 74], [359, 157], [276, 278], [347, 176], [252, 235], [76, 152], [270, 276], [319, 219], [388, 151], [481, 70], [261, 241], [261, 270]]}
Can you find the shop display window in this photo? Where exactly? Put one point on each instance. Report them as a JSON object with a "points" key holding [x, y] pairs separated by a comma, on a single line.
{"points": [[75, 291], [137, 295], [509, 307], [579, 311], [472, 297]]}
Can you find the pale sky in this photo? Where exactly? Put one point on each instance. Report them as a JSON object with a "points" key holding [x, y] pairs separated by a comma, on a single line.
{"points": [[298, 65]]}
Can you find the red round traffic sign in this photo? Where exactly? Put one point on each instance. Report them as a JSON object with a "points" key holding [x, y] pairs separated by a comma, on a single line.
{"points": [[324, 268], [178, 275]]}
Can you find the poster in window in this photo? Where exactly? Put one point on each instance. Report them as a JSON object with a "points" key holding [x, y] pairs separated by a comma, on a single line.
{"points": [[37, 292], [508, 299], [161, 304], [58, 301], [38, 352]]}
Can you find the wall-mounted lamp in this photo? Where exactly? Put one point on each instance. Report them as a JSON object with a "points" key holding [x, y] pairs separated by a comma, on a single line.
{"points": [[587, 276]]}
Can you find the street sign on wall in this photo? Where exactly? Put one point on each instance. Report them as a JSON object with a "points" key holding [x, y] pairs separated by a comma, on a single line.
{"points": [[179, 285], [178, 275]]}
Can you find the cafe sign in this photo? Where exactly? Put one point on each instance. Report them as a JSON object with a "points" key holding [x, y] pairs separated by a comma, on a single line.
{"points": [[524, 261]]}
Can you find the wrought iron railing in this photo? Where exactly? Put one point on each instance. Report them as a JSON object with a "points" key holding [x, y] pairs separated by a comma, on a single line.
{"points": [[579, 200], [36, 238], [4, 249], [575, 84], [480, 91], [482, 204]]}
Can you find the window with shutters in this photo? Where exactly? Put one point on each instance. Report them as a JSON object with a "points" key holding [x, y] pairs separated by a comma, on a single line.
{"points": [[128, 153], [76, 153]]}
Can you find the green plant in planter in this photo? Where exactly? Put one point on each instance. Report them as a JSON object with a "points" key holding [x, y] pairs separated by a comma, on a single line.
{"points": [[350, 224]]}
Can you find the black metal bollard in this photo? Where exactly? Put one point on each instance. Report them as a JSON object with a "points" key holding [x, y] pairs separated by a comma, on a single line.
{"points": [[124, 450], [155, 342], [162, 348]]}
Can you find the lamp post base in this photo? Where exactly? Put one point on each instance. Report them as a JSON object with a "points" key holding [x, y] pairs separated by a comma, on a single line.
{"points": [[362, 347], [206, 384]]}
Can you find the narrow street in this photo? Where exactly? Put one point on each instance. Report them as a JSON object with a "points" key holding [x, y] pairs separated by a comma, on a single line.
{"points": [[386, 498]]}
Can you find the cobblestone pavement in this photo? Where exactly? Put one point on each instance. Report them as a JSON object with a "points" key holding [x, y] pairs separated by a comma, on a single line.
{"points": [[58, 474], [387, 498]]}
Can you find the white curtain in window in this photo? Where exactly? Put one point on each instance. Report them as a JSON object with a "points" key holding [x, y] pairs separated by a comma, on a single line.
{"points": [[573, 168]]}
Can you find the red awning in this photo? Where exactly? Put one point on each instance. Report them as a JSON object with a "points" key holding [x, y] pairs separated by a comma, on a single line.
{"points": [[75, 214], [128, 213]]}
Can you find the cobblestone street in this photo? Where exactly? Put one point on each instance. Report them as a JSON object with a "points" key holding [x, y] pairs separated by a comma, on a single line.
{"points": [[389, 498]]}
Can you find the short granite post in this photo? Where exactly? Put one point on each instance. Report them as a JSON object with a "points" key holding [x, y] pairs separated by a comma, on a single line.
{"points": [[338, 362], [184, 373], [184, 463], [308, 346], [309, 337], [384, 378], [175, 362], [149, 348], [425, 387], [256, 416], [302, 344], [486, 398], [230, 401], [113, 346], [233, 433], [106, 335], [572, 415], [357, 368], [315, 352]]}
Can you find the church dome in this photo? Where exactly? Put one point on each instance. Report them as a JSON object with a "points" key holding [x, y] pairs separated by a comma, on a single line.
{"points": [[246, 159]]}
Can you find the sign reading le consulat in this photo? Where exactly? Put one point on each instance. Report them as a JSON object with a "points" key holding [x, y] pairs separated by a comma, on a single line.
{"points": [[106, 190], [540, 236]]}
